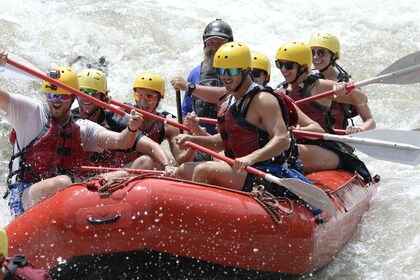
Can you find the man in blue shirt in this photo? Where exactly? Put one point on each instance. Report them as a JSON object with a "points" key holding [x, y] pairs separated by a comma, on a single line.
{"points": [[199, 97]]}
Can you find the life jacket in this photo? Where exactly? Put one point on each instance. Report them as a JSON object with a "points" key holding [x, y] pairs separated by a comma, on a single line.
{"points": [[240, 138], [319, 113], [110, 157], [208, 77], [56, 150], [19, 268], [156, 131], [341, 112]]}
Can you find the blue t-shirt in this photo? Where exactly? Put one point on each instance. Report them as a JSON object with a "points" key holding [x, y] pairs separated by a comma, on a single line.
{"points": [[194, 77]]}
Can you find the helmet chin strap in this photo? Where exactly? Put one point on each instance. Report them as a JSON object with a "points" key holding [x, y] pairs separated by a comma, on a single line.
{"points": [[244, 74], [298, 74], [332, 63]]}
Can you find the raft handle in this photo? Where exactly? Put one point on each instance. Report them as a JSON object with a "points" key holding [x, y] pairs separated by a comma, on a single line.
{"points": [[93, 221]]}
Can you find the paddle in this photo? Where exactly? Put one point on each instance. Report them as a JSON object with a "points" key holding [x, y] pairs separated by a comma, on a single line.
{"points": [[37, 73], [406, 70], [10, 71], [150, 115], [178, 107], [394, 145], [309, 193], [129, 170]]}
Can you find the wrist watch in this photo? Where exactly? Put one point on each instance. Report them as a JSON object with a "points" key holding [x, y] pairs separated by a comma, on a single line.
{"points": [[191, 88]]}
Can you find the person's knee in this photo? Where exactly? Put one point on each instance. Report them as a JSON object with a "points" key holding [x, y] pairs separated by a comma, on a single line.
{"points": [[62, 181], [203, 173], [144, 162]]}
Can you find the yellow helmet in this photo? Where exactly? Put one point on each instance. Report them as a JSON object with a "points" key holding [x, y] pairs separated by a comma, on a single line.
{"points": [[63, 74], [150, 81], [295, 51], [4, 247], [93, 79], [260, 61], [326, 41], [232, 55]]}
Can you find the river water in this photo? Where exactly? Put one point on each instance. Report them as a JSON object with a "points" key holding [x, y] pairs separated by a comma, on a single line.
{"points": [[128, 37]]}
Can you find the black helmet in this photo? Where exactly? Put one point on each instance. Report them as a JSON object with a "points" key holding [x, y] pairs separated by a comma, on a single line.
{"points": [[218, 28]]}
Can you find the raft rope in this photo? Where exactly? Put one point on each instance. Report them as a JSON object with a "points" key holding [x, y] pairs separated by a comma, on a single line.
{"points": [[271, 203], [105, 188]]}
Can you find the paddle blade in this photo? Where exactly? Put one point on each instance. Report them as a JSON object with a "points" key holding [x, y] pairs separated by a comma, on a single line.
{"points": [[10, 71], [392, 145], [309, 193], [404, 71]]}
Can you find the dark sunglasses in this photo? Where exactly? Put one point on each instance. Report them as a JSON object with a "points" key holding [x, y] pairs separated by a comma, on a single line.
{"points": [[228, 71], [92, 92], [288, 65], [319, 53], [55, 98]]}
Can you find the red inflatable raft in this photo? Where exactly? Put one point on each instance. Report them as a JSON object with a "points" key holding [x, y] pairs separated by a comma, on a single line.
{"points": [[149, 221]]}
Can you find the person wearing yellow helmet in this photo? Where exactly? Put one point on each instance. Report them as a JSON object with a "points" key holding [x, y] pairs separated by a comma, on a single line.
{"points": [[294, 60], [326, 51], [253, 129], [145, 153], [148, 91], [50, 144], [260, 68]]}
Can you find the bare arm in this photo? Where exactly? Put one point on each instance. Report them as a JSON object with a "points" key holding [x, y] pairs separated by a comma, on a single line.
{"points": [[207, 93], [146, 145], [306, 123], [4, 100], [360, 101], [211, 142], [4, 95], [125, 139], [265, 113], [180, 155]]}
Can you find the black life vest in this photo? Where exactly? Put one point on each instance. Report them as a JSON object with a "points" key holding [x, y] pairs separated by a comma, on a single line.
{"points": [[240, 137], [208, 77]]}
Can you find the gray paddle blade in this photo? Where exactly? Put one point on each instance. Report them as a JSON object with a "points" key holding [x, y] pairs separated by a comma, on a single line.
{"points": [[402, 147], [406, 70]]}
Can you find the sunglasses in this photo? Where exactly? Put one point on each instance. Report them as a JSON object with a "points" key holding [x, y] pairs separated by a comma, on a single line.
{"points": [[55, 98], [319, 53], [147, 97], [229, 71], [92, 92], [256, 73], [288, 65]]}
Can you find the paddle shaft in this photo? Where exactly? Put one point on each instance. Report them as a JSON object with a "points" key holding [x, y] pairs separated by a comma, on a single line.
{"points": [[111, 169], [178, 107], [412, 69], [355, 140], [66, 87], [151, 115]]}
